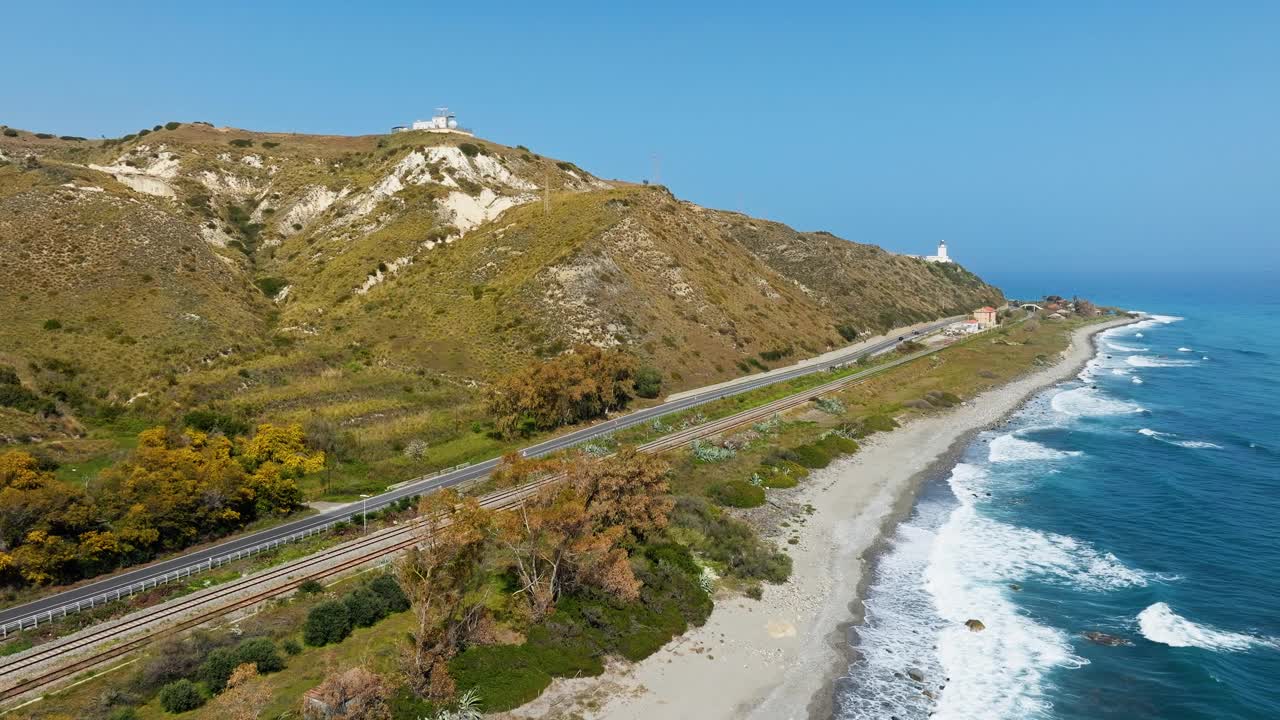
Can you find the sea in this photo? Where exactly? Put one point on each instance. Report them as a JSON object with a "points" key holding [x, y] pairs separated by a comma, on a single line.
{"points": [[1118, 539]]}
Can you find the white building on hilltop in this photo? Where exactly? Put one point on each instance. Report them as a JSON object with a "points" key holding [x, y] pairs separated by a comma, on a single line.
{"points": [[442, 122], [941, 257]]}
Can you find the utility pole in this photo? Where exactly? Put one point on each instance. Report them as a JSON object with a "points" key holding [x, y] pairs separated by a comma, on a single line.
{"points": [[657, 169], [546, 189], [364, 512]]}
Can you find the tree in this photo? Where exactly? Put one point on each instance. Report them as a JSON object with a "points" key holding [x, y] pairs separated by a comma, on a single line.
{"points": [[354, 694], [276, 456], [570, 532], [446, 579], [181, 696], [328, 622], [648, 382], [581, 385]]}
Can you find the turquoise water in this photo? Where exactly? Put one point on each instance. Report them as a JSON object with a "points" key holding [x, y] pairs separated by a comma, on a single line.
{"points": [[1140, 500]]}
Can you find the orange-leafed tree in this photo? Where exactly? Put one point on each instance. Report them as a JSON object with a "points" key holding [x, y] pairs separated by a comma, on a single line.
{"points": [[446, 579], [572, 532], [580, 385], [354, 694]]}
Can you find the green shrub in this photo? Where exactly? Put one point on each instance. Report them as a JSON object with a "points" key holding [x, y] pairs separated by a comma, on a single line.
{"points": [[389, 590], [242, 143], [812, 456], [777, 354], [730, 543], [648, 382], [271, 286], [329, 622], [310, 586], [209, 421], [269, 144], [291, 646], [44, 136], [181, 696], [879, 423], [10, 132], [172, 125], [783, 475], [52, 324], [217, 668], [848, 332], [737, 493], [364, 607], [20, 398], [470, 149], [836, 445], [502, 675], [262, 653], [123, 713], [572, 641]]}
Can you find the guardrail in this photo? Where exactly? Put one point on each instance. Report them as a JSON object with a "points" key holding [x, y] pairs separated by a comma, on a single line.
{"points": [[47, 616]]}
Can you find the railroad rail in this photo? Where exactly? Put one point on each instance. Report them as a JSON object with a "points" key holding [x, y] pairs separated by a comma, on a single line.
{"points": [[219, 600]]}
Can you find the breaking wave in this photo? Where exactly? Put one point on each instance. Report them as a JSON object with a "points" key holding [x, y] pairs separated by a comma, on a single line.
{"points": [[1159, 623], [1172, 439], [1087, 401], [1009, 448], [1146, 361]]}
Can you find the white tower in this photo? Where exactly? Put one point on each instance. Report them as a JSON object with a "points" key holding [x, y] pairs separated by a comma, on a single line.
{"points": [[942, 251]]}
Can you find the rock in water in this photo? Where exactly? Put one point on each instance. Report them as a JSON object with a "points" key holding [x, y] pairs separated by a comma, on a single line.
{"points": [[915, 674], [1102, 638], [975, 625], [1015, 587]]}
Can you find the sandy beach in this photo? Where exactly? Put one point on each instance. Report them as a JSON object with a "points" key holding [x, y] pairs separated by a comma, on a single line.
{"points": [[779, 657]]}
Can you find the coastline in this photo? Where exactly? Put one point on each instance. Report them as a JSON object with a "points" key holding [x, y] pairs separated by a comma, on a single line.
{"points": [[781, 657]]}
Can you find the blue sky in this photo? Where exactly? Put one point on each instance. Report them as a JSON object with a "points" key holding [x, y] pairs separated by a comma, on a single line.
{"points": [[1143, 136]]}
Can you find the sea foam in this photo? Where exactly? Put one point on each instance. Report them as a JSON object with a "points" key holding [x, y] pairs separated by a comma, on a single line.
{"points": [[1146, 361], [1001, 672], [1086, 401], [1009, 448], [1172, 439], [1159, 623]]}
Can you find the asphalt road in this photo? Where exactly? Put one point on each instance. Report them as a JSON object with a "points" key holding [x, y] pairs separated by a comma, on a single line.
{"points": [[428, 484]]}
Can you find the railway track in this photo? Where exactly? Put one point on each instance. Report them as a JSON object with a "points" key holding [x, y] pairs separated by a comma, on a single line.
{"points": [[219, 601]]}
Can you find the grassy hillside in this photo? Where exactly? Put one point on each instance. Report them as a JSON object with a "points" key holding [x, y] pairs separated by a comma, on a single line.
{"points": [[377, 284]]}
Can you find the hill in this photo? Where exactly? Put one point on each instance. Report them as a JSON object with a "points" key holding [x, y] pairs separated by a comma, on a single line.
{"points": [[378, 283]]}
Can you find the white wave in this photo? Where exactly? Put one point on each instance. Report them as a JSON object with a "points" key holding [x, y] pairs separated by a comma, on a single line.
{"points": [[1139, 335], [1172, 439], [1206, 357], [1185, 349], [1146, 361], [1159, 623], [1119, 371], [1166, 319], [1136, 380], [1120, 347], [1008, 448], [1000, 672], [1087, 401]]}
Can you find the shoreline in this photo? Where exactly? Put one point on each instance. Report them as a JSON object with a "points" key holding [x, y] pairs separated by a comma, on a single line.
{"points": [[782, 656]]}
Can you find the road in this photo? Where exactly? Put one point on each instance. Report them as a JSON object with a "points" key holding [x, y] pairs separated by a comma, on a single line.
{"points": [[434, 482]]}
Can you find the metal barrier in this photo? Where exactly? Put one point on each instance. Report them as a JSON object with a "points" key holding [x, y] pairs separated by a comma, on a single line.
{"points": [[48, 616]]}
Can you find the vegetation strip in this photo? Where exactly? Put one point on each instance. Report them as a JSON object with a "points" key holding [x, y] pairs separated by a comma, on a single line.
{"points": [[499, 500]]}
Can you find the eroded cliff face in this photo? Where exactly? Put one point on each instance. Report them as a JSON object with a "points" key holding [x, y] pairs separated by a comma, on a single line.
{"points": [[199, 263]]}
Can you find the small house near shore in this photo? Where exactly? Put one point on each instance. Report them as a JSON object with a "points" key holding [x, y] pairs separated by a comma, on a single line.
{"points": [[985, 317]]}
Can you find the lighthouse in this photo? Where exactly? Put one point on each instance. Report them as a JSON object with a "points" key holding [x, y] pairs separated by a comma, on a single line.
{"points": [[941, 257]]}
